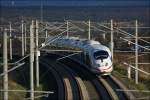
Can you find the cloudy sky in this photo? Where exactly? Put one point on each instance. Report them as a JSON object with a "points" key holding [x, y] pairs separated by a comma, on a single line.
{"points": [[75, 2]]}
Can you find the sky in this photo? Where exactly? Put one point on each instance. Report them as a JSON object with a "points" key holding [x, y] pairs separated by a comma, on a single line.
{"points": [[75, 2]]}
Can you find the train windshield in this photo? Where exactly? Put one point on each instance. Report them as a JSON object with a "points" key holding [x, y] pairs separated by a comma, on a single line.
{"points": [[101, 55]]}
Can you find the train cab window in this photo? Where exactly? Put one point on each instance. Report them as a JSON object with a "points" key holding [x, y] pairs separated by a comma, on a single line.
{"points": [[101, 55]]}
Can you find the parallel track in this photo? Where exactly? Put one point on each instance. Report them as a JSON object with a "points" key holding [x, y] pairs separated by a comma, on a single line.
{"points": [[60, 85], [74, 88]]}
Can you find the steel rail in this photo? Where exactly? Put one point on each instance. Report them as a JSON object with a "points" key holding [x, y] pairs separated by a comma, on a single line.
{"points": [[82, 88], [129, 95], [108, 88], [60, 83], [70, 84]]}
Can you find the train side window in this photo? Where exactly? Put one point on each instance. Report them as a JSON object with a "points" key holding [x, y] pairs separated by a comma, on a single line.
{"points": [[88, 61]]}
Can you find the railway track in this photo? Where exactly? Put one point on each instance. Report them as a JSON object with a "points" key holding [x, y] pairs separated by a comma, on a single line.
{"points": [[59, 93], [97, 90], [80, 84], [74, 88], [86, 89]]}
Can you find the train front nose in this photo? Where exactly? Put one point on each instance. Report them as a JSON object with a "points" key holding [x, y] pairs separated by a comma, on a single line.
{"points": [[106, 69], [104, 66]]}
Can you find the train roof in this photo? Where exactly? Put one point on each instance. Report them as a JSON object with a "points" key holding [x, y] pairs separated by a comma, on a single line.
{"points": [[84, 44]]}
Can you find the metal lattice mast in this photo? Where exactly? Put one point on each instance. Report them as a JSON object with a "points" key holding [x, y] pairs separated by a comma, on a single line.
{"points": [[112, 38], [10, 41], [5, 65], [22, 38], [67, 28], [136, 52], [32, 60], [25, 38], [37, 54], [89, 31]]}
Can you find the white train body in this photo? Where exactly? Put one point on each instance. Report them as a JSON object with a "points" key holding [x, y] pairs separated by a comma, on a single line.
{"points": [[98, 56]]}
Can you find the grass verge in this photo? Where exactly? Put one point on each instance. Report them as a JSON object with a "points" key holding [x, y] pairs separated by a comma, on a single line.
{"points": [[144, 85]]}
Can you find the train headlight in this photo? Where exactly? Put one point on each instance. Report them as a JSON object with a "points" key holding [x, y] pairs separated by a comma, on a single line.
{"points": [[106, 64]]}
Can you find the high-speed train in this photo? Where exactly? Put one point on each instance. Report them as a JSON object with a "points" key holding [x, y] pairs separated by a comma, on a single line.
{"points": [[98, 56]]}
